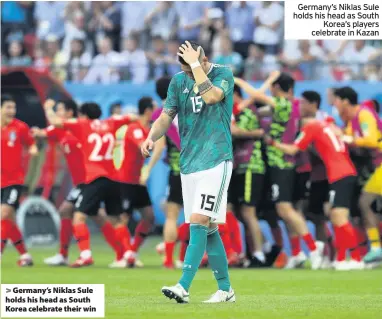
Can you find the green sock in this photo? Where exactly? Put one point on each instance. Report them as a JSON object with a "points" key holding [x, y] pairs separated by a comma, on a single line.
{"points": [[217, 259], [194, 254]]}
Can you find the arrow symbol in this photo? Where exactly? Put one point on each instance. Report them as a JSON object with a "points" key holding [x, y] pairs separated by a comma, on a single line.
{"points": [[7, 290]]}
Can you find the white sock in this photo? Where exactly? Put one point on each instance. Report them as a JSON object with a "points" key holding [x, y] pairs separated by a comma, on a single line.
{"points": [[259, 255], [86, 254]]}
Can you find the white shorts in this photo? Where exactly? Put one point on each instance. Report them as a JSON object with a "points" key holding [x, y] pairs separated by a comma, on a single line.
{"points": [[205, 192]]}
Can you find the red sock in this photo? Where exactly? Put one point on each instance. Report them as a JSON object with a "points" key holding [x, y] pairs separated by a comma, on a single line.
{"points": [[82, 235], [234, 230], [17, 239], [226, 239], [277, 236], [169, 250], [182, 250], [111, 238], [340, 243], [141, 232], [66, 233], [123, 236], [295, 245], [6, 227], [309, 241], [184, 232], [351, 239]]}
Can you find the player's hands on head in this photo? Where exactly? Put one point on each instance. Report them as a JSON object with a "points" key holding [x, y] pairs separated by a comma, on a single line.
{"points": [[187, 52], [147, 147], [49, 104]]}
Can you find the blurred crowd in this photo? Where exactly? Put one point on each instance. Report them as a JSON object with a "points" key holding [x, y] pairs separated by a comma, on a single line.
{"points": [[108, 42]]}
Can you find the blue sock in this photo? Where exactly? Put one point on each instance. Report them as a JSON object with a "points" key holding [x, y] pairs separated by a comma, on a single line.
{"points": [[194, 254], [217, 259]]}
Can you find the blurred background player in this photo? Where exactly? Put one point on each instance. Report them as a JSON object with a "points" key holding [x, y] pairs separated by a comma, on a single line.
{"points": [[97, 140], [341, 176], [282, 168], [133, 176], [202, 96], [15, 136], [364, 130]]}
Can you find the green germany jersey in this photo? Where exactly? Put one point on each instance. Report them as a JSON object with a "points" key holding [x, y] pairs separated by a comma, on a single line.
{"points": [[205, 132]]}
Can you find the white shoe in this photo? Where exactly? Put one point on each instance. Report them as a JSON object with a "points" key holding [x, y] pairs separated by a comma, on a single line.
{"points": [[349, 265], [326, 263], [138, 263], [56, 260], [317, 255], [160, 248], [176, 292], [222, 296], [296, 261], [178, 264], [118, 264]]}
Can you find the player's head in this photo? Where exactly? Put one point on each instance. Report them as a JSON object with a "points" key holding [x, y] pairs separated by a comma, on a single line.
{"points": [[310, 103], [8, 108], [283, 85], [161, 87], [66, 109], [90, 110], [346, 99], [237, 94], [146, 106], [202, 59], [115, 108]]}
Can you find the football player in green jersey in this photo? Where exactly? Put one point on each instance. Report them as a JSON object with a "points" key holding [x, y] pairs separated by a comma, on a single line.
{"points": [[202, 97]]}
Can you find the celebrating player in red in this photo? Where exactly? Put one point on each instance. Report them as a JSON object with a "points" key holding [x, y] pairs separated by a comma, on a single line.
{"points": [[14, 137], [341, 176], [133, 177], [97, 140]]}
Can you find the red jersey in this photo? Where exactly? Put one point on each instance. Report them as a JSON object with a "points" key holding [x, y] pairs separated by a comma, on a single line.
{"points": [[331, 149], [72, 149], [97, 138], [14, 137], [133, 160]]}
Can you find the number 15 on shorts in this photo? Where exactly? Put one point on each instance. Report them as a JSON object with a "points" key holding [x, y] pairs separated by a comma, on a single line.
{"points": [[208, 202]]}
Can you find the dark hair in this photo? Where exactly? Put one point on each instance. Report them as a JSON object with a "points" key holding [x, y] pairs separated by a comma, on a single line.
{"points": [[82, 42], [285, 82], [23, 49], [237, 89], [195, 46], [91, 110], [312, 97], [70, 105], [347, 93], [157, 38], [113, 106], [145, 103], [161, 86], [6, 98]]}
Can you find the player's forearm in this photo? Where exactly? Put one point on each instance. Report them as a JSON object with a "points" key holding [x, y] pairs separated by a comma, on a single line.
{"points": [[368, 142], [288, 149], [161, 125], [209, 93], [239, 132], [157, 153], [256, 94]]}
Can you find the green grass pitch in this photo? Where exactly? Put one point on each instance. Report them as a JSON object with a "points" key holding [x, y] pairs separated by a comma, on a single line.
{"points": [[260, 294]]}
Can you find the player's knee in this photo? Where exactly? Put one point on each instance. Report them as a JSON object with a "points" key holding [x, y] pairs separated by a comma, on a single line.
{"points": [[365, 201], [100, 220], [199, 219], [172, 211], [79, 218], [124, 218], [66, 210], [7, 212], [148, 215]]}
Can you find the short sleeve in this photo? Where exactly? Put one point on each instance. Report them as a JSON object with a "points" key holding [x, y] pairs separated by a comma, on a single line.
{"points": [[120, 120], [27, 136], [305, 138], [224, 81], [171, 100]]}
